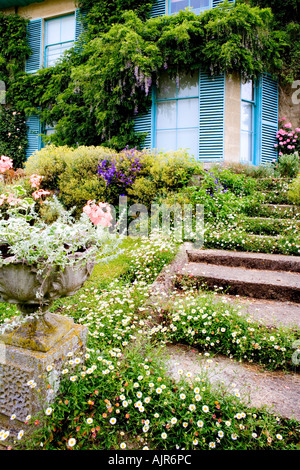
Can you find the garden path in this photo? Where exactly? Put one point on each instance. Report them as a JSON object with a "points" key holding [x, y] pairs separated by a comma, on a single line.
{"points": [[278, 391]]}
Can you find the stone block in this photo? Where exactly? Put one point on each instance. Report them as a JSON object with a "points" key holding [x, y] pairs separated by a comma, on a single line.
{"points": [[19, 365]]}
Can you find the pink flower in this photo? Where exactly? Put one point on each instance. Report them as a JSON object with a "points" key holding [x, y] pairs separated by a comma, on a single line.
{"points": [[39, 193], [6, 163], [35, 181], [97, 214], [297, 129], [288, 125]]}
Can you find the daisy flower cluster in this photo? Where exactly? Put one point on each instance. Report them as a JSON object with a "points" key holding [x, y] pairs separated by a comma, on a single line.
{"points": [[212, 325], [118, 393], [128, 397]]}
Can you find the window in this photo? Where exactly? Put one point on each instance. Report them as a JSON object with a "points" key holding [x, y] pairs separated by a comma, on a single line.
{"points": [[247, 121], [177, 113], [59, 36], [197, 6]]}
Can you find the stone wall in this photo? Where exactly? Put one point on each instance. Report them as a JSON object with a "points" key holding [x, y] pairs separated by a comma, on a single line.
{"points": [[232, 118], [289, 104], [46, 9]]}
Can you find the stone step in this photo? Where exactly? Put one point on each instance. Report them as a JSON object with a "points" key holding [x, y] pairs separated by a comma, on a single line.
{"points": [[277, 391], [271, 313], [269, 226], [273, 220], [263, 261], [264, 284], [282, 208], [287, 211]]}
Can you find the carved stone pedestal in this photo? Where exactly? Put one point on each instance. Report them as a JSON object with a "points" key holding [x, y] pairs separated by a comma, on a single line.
{"points": [[24, 361]]}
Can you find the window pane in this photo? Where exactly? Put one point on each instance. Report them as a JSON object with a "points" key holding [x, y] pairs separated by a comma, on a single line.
{"points": [[53, 31], [188, 139], [166, 140], [188, 113], [188, 85], [246, 147], [246, 116], [199, 5], [68, 28], [166, 115], [177, 5], [167, 87], [248, 91], [52, 55]]}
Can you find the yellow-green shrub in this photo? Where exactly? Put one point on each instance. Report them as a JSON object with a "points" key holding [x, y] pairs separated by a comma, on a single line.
{"points": [[294, 191], [49, 163], [52, 162], [73, 173], [172, 170]]}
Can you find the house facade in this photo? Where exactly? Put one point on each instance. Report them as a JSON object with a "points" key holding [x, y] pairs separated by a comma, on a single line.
{"points": [[215, 118]]}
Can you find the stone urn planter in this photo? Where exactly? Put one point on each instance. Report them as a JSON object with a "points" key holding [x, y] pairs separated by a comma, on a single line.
{"points": [[39, 263], [34, 292]]}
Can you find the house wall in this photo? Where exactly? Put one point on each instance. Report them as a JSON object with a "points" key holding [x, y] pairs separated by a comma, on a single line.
{"points": [[289, 104], [232, 118], [46, 9]]}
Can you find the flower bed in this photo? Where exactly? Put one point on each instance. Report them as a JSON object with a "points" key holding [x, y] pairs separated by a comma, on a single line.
{"points": [[119, 395]]}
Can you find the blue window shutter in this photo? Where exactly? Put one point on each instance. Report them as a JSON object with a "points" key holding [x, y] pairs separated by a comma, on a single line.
{"points": [[143, 125], [211, 120], [33, 135], [159, 8], [268, 97], [34, 33], [79, 22]]}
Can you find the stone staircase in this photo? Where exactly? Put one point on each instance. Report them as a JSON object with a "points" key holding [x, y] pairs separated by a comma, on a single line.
{"points": [[264, 283], [255, 275]]}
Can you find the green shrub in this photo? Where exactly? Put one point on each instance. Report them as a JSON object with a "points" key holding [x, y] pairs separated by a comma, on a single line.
{"points": [[260, 171], [72, 173], [49, 163], [288, 165], [294, 191], [76, 176]]}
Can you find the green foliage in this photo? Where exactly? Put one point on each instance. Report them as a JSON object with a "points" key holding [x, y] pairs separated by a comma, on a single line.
{"points": [[283, 15], [73, 174], [101, 15], [287, 20], [120, 393], [260, 171], [13, 46], [294, 191], [94, 92], [219, 328], [13, 52], [13, 135], [288, 165]]}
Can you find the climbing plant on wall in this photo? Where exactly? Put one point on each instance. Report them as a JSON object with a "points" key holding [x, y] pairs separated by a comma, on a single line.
{"points": [[13, 52], [94, 92]]}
